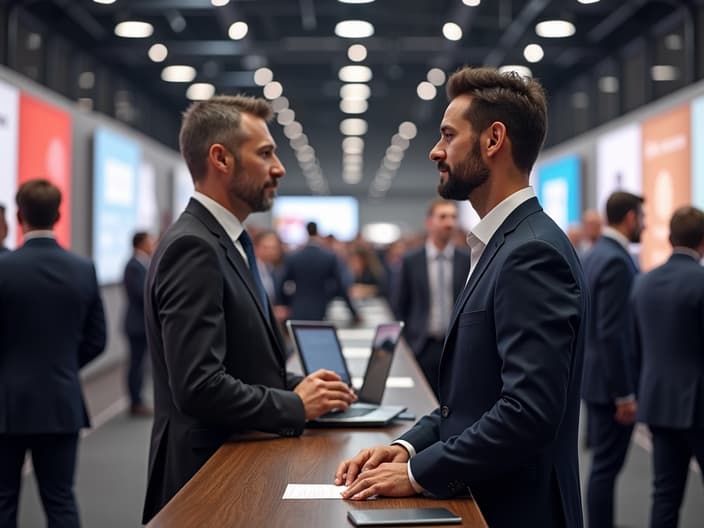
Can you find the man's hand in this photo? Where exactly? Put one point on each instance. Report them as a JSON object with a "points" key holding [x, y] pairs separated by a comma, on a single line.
{"points": [[388, 480], [322, 391], [626, 412], [368, 459]]}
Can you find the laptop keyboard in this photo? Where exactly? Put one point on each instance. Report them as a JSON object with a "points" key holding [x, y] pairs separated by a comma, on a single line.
{"points": [[349, 413]]}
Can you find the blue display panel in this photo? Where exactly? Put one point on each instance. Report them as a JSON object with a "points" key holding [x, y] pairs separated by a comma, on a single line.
{"points": [[116, 162], [559, 190], [335, 215], [697, 152]]}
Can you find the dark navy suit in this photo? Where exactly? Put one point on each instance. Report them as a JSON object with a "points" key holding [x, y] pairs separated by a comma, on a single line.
{"points": [[410, 300], [134, 278], [51, 324], [311, 278], [608, 370], [668, 304], [510, 372]]}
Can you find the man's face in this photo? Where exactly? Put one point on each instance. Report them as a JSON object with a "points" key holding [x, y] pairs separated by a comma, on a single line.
{"points": [[257, 168], [441, 223], [637, 225], [458, 154], [268, 249], [3, 227]]}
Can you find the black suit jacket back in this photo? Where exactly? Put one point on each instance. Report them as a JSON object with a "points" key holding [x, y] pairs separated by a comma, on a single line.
{"points": [[134, 279], [51, 324], [218, 364]]}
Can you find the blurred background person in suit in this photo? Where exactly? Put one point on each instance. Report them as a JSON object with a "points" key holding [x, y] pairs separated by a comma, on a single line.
{"points": [[312, 277], [591, 230], [55, 325], [609, 382], [668, 307], [430, 279], [3, 230], [134, 278], [367, 271]]}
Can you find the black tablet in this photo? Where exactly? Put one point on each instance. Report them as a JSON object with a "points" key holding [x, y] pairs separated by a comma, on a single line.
{"points": [[402, 516]]}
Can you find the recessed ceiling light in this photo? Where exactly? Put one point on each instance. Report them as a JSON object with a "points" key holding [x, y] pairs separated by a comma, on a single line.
{"points": [[407, 130], [134, 29], [293, 130], [523, 71], [673, 42], [580, 100], [286, 116], [106, 2], [355, 91], [355, 74], [279, 104], [436, 76], [353, 106], [200, 91], [400, 141], [354, 29], [452, 31], [355, 1], [353, 126], [238, 30], [555, 29], [273, 89], [158, 52], [357, 52], [299, 141], [587, 1], [608, 84], [533, 52], [219, 3], [472, 3], [178, 73], [426, 91], [353, 145], [664, 72], [263, 76]]}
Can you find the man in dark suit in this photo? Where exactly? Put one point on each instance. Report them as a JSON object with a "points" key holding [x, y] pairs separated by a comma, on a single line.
{"points": [[3, 230], [51, 324], [608, 384], [430, 280], [134, 278], [668, 307], [219, 364], [506, 427], [312, 277]]}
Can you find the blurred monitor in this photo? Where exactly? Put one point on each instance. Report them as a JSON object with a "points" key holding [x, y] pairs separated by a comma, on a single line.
{"points": [[335, 215]]}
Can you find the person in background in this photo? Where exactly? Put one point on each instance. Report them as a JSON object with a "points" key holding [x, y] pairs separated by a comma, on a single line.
{"points": [[51, 324], [312, 277], [609, 381], [591, 230], [430, 279], [134, 279], [506, 427], [269, 252], [3, 230], [368, 273], [219, 361], [668, 309]]}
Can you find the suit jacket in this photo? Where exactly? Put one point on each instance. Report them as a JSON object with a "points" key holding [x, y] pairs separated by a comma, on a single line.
{"points": [[509, 382], [4, 250], [218, 364], [668, 307], [410, 297], [314, 275], [51, 324], [134, 279], [609, 355]]}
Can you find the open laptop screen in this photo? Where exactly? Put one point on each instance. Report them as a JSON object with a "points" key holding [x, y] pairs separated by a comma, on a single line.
{"points": [[319, 348], [383, 347]]}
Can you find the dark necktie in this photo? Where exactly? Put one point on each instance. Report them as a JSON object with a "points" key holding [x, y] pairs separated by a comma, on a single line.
{"points": [[252, 260]]}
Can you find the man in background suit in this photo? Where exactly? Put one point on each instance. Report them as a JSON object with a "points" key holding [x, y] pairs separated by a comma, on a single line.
{"points": [[609, 383], [668, 307], [51, 324], [506, 427], [219, 364], [312, 277], [430, 280], [3, 230], [134, 278]]}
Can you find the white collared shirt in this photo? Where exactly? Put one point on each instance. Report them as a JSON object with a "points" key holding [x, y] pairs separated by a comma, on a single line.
{"points": [[613, 234], [479, 236], [229, 222], [437, 320], [682, 250], [39, 233]]}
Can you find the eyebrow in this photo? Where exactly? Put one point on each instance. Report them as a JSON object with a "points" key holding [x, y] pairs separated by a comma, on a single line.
{"points": [[446, 128]]}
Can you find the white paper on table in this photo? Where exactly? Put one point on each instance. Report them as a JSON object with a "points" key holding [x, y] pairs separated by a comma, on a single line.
{"points": [[313, 491], [395, 382]]}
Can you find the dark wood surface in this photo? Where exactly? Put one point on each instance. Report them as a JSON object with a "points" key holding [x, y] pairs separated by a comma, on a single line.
{"points": [[243, 482]]}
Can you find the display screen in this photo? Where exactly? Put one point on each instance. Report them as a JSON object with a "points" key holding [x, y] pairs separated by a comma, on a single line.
{"points": [[335, 215], [559, 190], [618, 164], [9, 117]]}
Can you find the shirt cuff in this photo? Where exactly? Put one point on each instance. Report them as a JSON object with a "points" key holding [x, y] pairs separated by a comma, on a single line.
{"points": [[411, 452], [625, 399], [406, 445]]}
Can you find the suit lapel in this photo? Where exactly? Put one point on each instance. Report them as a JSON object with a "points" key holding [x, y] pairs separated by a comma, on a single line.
{"points": [[238, 264]]}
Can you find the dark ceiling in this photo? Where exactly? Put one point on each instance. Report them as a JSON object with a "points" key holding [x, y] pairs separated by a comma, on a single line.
{"points": [[296, 40]]}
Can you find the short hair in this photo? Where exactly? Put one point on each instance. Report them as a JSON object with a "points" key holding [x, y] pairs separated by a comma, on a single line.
{"points": [[687, 227], [216, 120], [2, 210], [619, 204], [437, 202], [312, 228], [38, 201], [518, 102], [138, 238]]}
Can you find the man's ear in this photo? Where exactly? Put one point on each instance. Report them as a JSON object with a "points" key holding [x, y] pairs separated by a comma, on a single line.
{"points": [[220, 158], [495, 137]]}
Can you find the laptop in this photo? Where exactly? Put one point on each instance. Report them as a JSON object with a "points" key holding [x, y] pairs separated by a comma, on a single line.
{"points": [[319, 347]]}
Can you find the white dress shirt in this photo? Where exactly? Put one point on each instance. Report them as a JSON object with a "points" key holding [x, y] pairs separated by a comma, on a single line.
{"points": [[229, 222], [441, 298], [39, 233]]}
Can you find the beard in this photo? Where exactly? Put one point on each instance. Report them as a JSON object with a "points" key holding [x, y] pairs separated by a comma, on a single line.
{"points": [[467, 175], [244, 188]]}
